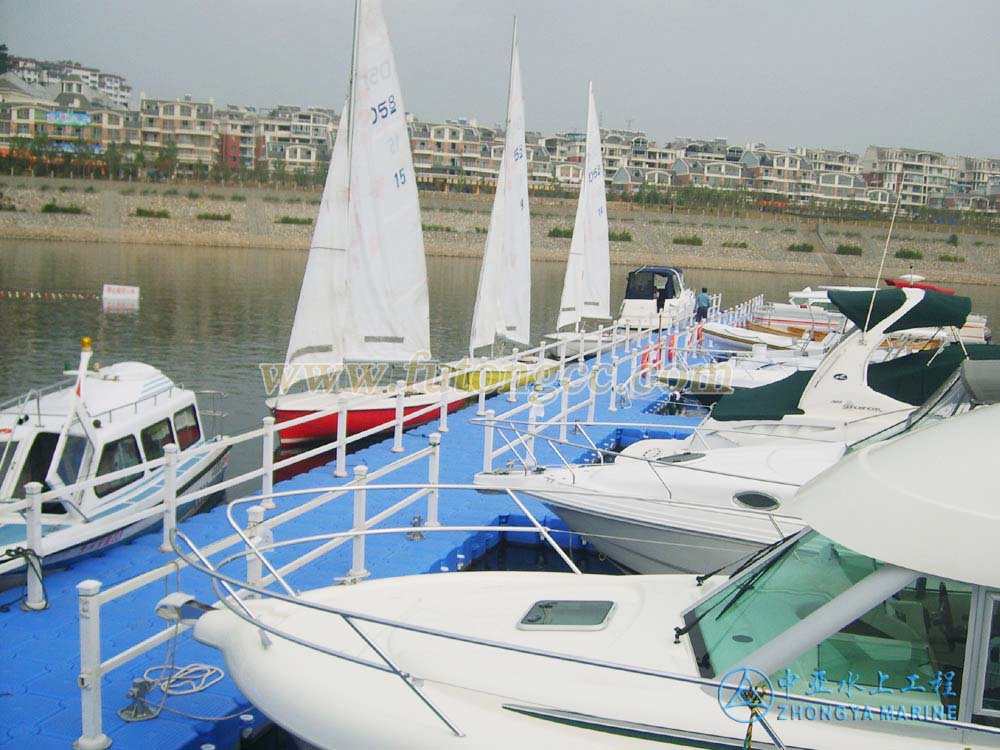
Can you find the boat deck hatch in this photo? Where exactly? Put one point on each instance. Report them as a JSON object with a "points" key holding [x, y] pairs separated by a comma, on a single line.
{"points": [[555, 614]]}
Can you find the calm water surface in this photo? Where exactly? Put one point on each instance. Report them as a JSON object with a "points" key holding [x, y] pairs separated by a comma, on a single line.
{"points": [[210, 316]]}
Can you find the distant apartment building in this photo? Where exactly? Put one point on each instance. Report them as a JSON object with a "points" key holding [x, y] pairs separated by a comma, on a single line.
{"points": [[295, 139], [918, 177], [240, 145], [113, 86], [80, 108], [188, 124]]}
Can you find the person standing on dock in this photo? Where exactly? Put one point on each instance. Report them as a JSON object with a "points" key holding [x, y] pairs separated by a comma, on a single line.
{"points": [[702, 302]]}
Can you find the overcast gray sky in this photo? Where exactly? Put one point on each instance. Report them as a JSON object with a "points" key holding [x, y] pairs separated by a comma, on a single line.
{"points": [[835, 73]]}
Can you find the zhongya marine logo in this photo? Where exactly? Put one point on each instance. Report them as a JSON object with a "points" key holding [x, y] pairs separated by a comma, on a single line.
{"points": [[745, 694]]}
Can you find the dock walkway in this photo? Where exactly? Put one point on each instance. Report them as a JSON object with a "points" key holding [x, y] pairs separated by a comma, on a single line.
{"points": [[40, 701]]}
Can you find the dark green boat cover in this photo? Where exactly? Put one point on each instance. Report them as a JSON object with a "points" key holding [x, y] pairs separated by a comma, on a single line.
{"points": [[934, 310], [910, 379], [771, 401], [913, 378]]}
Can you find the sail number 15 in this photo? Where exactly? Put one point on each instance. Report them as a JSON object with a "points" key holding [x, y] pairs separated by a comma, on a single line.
{"points": [[383, 109]]}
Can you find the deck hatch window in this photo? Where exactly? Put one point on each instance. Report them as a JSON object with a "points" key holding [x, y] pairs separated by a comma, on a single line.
{"points": [[155, 437], [186, 424], [121, 454], [554, 614]]}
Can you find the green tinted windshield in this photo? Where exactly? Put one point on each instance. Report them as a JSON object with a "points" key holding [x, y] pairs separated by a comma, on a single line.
{"points": [[790, 585]]}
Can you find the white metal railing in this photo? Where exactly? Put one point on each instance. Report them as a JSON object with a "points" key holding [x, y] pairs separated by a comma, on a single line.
{"points": [[252, 545], [91, 597], [24, 511]]}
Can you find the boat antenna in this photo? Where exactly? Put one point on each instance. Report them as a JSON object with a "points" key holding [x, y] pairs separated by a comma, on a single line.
{"points": [[885, 251]]}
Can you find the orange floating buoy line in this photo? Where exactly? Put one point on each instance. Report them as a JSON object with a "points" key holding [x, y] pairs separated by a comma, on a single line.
{"points": [[20, 294]]}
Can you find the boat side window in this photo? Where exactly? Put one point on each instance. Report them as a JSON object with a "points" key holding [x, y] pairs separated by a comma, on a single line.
{"points": [[118, 455], [990, 698], [186, 424], [36, 465], [909, 650], [7, 450], [155, 437]]}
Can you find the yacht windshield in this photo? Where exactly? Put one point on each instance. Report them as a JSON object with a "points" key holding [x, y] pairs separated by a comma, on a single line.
{"points": [[911, 645], [796, 581], [951, 398]]}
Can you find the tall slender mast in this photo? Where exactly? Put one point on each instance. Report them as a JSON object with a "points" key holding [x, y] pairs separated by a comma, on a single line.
{"points": [[510, 78], [350, 98]]}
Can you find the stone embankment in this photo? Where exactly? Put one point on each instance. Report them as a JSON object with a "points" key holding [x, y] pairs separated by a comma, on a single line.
{"points": [[455, 225]]}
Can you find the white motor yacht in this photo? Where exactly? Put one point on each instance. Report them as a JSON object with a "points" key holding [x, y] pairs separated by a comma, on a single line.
{"points": [[869, 629]]}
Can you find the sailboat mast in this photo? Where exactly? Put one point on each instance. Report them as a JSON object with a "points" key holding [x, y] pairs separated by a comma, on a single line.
{"points": [[510, 78], [350, 98]]}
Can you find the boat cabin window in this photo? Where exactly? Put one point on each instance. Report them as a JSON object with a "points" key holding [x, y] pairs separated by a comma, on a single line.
{"points": [[7, 451], [650, 285], [186, 424], [990, 699], [36, 465], [118, 455], [909, 649], [155, 437]]}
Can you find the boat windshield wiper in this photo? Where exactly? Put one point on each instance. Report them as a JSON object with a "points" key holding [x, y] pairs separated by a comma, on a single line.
{"points": [[751, 580], [743, 588]]}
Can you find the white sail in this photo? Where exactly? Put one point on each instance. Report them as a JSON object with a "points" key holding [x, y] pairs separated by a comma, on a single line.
{"points": [[387, 316], [587, 286], [316, 337], [503, 302]]}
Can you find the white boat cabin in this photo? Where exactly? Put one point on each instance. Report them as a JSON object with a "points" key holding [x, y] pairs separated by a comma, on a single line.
{"points": [[127, 414]]}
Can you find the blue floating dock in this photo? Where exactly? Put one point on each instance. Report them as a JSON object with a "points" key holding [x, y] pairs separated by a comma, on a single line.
{"points": [[39, 697]]}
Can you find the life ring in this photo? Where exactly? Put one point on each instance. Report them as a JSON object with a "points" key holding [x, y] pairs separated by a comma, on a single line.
{"points": [[650, 358]]}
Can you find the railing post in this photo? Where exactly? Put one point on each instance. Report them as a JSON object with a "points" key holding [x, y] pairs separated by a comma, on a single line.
{"points": [[600, 345], [89, 680], [482, 391], [634, 373], [35, 599], [613, 401], [357, 570], [592, 401], [512, 394], [169, 495], [341, 470], [433, 478], [255, 569], [488, 442], [562, 359], [583, 348], [563, 408], [267, 479], [397, 438], [445, 390], [529, 441]]}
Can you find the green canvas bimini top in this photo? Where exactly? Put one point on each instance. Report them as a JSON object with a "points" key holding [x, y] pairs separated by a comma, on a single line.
{"points": [[910, 379], [934, 310]]}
